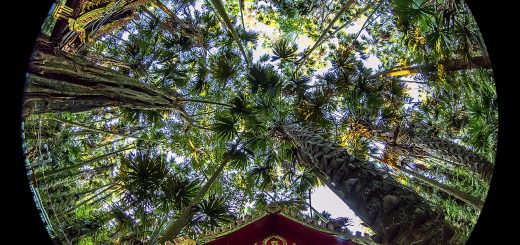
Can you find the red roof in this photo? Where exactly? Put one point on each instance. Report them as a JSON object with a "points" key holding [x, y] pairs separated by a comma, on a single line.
{"points": [[274, 228]]}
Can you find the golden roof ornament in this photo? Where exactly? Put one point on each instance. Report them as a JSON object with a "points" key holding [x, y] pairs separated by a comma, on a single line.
{"points": [[185, 240], [62, 11], [273, 208]]}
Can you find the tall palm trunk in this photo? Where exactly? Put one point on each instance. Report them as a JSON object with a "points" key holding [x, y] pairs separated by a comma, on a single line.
{"points": [[448, 65], [419, 146], [455, 153], [72, 84], [445, 188], [395, 213], [175, 228]]}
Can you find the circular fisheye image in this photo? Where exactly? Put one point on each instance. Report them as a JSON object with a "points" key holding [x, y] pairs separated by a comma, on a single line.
{"points": [[259, 122]]}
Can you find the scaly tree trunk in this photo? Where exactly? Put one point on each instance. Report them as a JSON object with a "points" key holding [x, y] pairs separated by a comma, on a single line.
{"points": [[455, 153], [395, 213], [420, 147], [68, 83]]}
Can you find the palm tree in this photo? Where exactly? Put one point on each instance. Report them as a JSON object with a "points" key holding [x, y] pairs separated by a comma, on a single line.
{"points": [[223, 14], [396, 214]]}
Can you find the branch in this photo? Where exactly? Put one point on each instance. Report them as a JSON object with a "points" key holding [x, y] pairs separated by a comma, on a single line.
{"points": [[302, 60]]}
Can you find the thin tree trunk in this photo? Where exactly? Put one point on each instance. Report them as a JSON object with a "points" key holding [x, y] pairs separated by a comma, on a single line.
{"points": [[241, 3], [70, 84], [205, 102], [395, 213], [88, 199], [92, 129], [222, 12], [420, 147], [310, 203], [475, 202], [349, 22], [445, 188]]}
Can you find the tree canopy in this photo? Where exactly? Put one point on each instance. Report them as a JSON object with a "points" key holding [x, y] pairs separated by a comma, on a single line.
{"points": [[185, 115]]}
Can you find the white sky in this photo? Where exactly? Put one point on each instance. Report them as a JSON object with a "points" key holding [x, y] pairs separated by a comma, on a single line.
{"points": [[323, 199]]}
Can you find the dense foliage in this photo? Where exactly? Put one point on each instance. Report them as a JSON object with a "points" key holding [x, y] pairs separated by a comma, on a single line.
{"points": [[405, 85]]}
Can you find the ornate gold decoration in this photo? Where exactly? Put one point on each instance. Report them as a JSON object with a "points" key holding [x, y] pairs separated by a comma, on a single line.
{"points": [[78, 25], [273, 208], [93, 4], [62, 12], [284, 242], [185, 240]]}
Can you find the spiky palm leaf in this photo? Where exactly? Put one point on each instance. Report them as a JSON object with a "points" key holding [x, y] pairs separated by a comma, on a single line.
{"points": [[263, 176], [212, 212], [240, 158], [298, 85], [224, 126], [344, 61], [178, 192], [172, 73], [311, 109], [263, 78], [284, 50], [248, 36], [224, 69], [241, 107], [141, 176]]}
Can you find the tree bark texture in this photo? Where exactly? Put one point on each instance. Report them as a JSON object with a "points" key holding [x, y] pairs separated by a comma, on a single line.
{"points": [[395, 213], [65, 83]]}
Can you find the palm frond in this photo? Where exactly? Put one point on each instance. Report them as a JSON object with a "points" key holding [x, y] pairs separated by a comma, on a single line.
{"points": [[224, 69], [141, 176], [263, 78], [224, 126], [284, 50]]}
